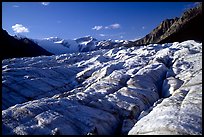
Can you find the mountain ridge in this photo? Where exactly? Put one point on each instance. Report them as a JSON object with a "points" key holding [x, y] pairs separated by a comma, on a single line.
{"points": [[187, 26], [24, 47]]}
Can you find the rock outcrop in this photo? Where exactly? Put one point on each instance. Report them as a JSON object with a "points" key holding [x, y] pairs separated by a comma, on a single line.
{"points": [[157, 33], [105, 92], [187, 27]]}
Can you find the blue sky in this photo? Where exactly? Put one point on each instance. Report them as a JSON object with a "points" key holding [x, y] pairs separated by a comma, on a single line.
{"points": [[102, 20]]}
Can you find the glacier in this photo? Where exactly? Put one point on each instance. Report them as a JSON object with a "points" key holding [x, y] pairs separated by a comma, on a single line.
{"points": [[152, 89]]}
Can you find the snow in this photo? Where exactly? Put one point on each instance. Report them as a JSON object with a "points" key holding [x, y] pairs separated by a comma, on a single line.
{"points": [[59, 46], [54, 48], [70, 44], [148, 89], [53, 39], [170, 84], [180, 112]]}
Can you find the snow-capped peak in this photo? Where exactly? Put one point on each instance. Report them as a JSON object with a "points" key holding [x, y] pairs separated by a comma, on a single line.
{"points": [[88, 37], [118, 41], [54, 39], [85, 39], [58, 45]]}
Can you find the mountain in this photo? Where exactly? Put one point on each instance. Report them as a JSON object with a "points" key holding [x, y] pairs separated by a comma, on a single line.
{"points": [[58, 46], [87, 43], [23, 47], [85, 39], [156, 34], [188, 26], [153, 89], [105, 87]]}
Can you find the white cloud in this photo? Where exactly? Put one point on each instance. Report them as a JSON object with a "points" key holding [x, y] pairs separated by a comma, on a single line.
{"points": [[45, 3], [113, 26], [19, 28], [102, 35], [97, 27], [15, 6]]}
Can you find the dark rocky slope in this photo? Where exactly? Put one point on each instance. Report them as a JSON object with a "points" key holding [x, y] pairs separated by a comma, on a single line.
{"points": [[156, 34], [188, 26], [13, 48]]}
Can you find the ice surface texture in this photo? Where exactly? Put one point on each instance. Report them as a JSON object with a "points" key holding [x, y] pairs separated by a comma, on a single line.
{"points": [[181, 113], [105, 92]]}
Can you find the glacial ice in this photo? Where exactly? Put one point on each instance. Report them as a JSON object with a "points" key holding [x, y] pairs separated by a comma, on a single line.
{"points": [[153, 89]]}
